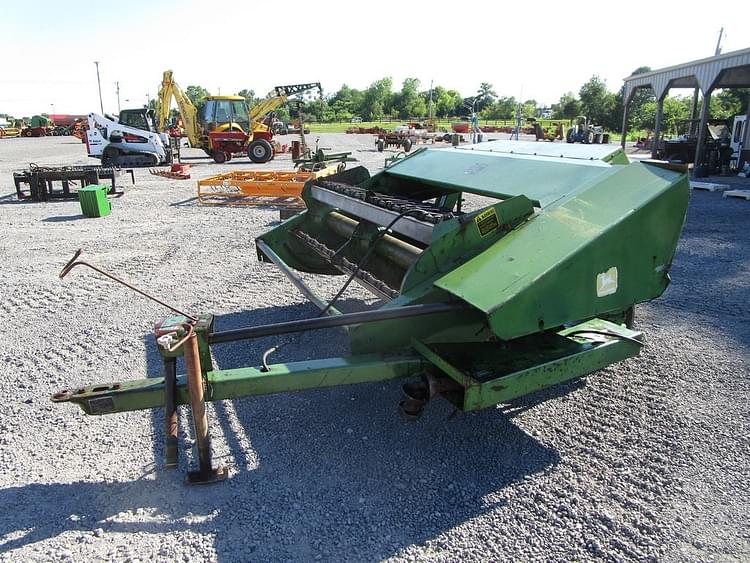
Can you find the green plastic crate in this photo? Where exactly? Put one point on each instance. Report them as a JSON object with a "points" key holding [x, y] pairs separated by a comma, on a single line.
{"points": [[94, 202]]}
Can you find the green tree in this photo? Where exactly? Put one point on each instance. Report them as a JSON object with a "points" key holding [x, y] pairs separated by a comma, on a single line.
{"points": [[528, 109], [282, 114], [197, 95], [507, 107], [675, 113], [730, 102], [446, 102], [409, 103], [640, 97], [485, 96], [345, 103], [598, 103], [502, 108], [249, 96], [377, 99], [338, 110], [567, 108]]}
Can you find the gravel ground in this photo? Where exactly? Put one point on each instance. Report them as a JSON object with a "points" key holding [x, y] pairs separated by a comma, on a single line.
{"points": [[648, 459]]}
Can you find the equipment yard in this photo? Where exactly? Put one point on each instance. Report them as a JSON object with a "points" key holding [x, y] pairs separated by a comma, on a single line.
{"points": [[647, 459]]}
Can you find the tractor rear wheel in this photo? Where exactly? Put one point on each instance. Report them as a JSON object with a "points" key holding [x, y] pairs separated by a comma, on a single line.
{"points": [[571, 136], [260, 151], [589, 139]]}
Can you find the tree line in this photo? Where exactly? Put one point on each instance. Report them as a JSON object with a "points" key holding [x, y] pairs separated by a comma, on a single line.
{"points": [[413, 102]]}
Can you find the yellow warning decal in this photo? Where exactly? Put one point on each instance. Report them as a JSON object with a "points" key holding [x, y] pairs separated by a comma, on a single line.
{"points": [[487, 221]]}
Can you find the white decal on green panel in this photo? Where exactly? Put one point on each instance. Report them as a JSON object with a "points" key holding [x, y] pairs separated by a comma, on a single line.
{"points": [[606, 282]]}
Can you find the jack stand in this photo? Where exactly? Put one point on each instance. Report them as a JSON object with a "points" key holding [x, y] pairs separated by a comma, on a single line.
{"points": [[205, 474]]}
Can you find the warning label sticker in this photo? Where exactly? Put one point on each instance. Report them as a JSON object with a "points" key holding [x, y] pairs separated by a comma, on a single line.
{"points": [[487, 222]]}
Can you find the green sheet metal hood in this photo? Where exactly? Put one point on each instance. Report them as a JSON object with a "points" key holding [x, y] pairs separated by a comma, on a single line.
{"points": [[603, 245], [503, 169]]}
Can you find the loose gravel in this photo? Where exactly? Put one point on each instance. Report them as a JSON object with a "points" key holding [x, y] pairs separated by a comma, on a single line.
{"points": [[645, 460]]}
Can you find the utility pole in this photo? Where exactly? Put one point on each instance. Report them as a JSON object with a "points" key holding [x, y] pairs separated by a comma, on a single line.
{"points": [[429, 113], [99, 82], [718, 43], [117, 84]]}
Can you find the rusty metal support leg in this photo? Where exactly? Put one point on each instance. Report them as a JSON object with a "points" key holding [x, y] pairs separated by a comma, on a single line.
{"points": [[205, 473], [170, 411]]}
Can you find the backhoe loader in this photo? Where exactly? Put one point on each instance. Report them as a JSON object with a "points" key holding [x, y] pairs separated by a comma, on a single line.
{"points": [[225, 126]]}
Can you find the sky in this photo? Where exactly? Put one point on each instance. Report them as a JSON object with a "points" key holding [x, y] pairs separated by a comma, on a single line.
{"points": [[529, 51]]}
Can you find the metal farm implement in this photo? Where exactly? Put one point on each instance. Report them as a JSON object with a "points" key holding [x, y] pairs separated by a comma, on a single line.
{"points": [[480, 307], [39, 181], [275, 188]]}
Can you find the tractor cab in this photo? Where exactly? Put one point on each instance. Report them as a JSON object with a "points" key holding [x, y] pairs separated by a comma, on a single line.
{"points": [[139, 118], [225, 113]]}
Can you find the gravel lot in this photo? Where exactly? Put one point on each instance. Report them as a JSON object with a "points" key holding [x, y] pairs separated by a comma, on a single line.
{"points": [[648, 459]]}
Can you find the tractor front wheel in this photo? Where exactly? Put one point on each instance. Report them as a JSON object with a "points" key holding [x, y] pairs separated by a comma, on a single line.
{"points": [[220, 157]]}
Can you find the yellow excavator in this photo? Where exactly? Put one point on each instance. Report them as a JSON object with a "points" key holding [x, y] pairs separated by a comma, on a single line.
{"points": [[226, 126]]}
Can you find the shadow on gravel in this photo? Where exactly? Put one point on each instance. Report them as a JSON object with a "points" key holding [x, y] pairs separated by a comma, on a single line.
{"points": [[63, 218], [334, 473], [331, 472], [12, 199], [191, 200], [205, 159]]}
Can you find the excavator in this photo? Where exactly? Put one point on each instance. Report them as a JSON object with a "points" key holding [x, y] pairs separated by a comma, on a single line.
{"points": [[226, 126]]}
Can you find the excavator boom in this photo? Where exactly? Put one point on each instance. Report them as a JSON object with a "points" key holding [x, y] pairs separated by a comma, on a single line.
{"points": [[187, 110], [278, 96]]}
